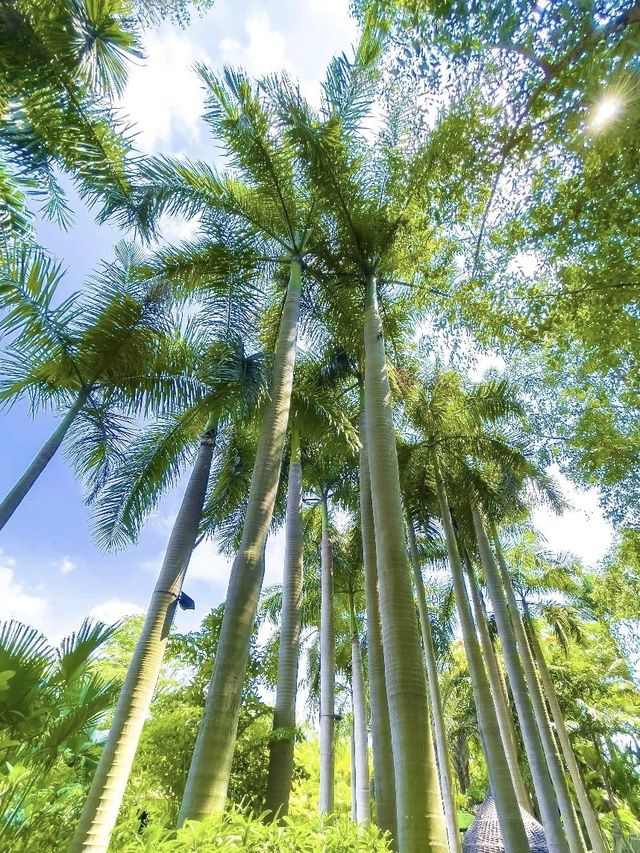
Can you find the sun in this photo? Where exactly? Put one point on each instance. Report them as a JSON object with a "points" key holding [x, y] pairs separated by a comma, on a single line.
{"points": [[605, 111]]}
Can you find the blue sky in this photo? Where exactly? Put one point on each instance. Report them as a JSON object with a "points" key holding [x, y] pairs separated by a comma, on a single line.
{"points": [[51, 573]]}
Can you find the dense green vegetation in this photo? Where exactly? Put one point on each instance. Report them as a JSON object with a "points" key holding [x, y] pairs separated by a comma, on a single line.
{"points": [[468, 185]]}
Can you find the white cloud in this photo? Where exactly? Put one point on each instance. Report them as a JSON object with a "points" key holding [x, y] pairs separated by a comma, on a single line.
{"points": [[113, 610], [16, 602], [164, 94], [264, 49], [176, 229], [583, 530], [484, 362], [66, 565]]}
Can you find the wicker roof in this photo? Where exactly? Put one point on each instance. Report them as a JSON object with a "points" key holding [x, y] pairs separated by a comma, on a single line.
{"points": [[484, 836]]}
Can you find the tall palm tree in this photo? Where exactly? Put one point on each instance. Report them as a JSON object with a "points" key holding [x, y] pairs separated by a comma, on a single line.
{"points": [[503, 713], [316, 414], [547, 573], [327, 663], [538, 760], [273, 208], [383, 774], [434, 411], [511, 825], [284, 716], [368, 217], [233, 390], [91, 354], [437, 709]]}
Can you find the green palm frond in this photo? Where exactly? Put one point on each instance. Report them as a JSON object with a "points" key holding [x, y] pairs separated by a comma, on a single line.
{"points": [[29, 279], [95, 446], [149, 467], [77, 651]]}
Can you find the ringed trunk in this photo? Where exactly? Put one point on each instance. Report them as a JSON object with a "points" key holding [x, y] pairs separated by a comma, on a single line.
{"points": [[503, 713], [421, 825], [360, 738], [110, 779], [590, 819], [327, 667], [569, 817], [512, 828], [383, 778], [208, 779], [284, 717], [545, 794], [437, 710]]}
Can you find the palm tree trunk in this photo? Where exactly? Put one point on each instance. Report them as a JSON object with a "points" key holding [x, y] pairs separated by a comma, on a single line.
{"points": [[512, 828], [421, 825], [383, 778], [208, 779], [437, 711], [361, 740], [591, 822], [545, 794], [503, 713], [327, 667], [554, 763], [110, 780], [284, 717], [354, 790], [46, 453]]}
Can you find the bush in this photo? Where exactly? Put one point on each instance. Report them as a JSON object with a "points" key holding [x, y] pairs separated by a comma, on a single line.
{"points": [[238, 829]]}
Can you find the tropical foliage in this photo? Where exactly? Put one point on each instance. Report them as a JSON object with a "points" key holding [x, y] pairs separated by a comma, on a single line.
{"points": [[466, 187]]}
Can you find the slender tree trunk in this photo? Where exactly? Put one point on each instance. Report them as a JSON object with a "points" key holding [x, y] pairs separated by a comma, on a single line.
{"points": [[554, 763], [421, 825], [354, 789], [591, 822], [284, 717], [383, 778], [110, 780], [512, 828], [327, 667], [361, 740], [208, 779], [545, 794], [437, 710], [46, 453], [503, 713]]}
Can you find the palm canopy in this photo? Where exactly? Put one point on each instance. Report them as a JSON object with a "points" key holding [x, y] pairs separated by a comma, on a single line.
{"points": [[230, 385], [102, 339], [60, 65]]}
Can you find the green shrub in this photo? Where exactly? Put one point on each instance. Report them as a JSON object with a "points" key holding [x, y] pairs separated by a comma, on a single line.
{"points": [[241, 830]]}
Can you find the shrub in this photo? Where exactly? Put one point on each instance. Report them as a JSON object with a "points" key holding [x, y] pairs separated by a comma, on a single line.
{"points": [[238, 829]]}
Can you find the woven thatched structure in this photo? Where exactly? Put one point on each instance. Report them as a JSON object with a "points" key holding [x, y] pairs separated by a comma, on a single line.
{"points": [[483, 836]]}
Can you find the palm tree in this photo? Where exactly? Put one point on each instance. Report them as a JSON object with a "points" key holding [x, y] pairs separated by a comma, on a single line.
{"points": [[284, 716], [383, 775], [434, 411], [534, 745], [503, 712], [51, 702], [85, 356], [61, 65], [273, 210], [315, 415], [437, 710], [368, 217], [327, 663], [233, 391], [511, 825], [549, 572]]}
